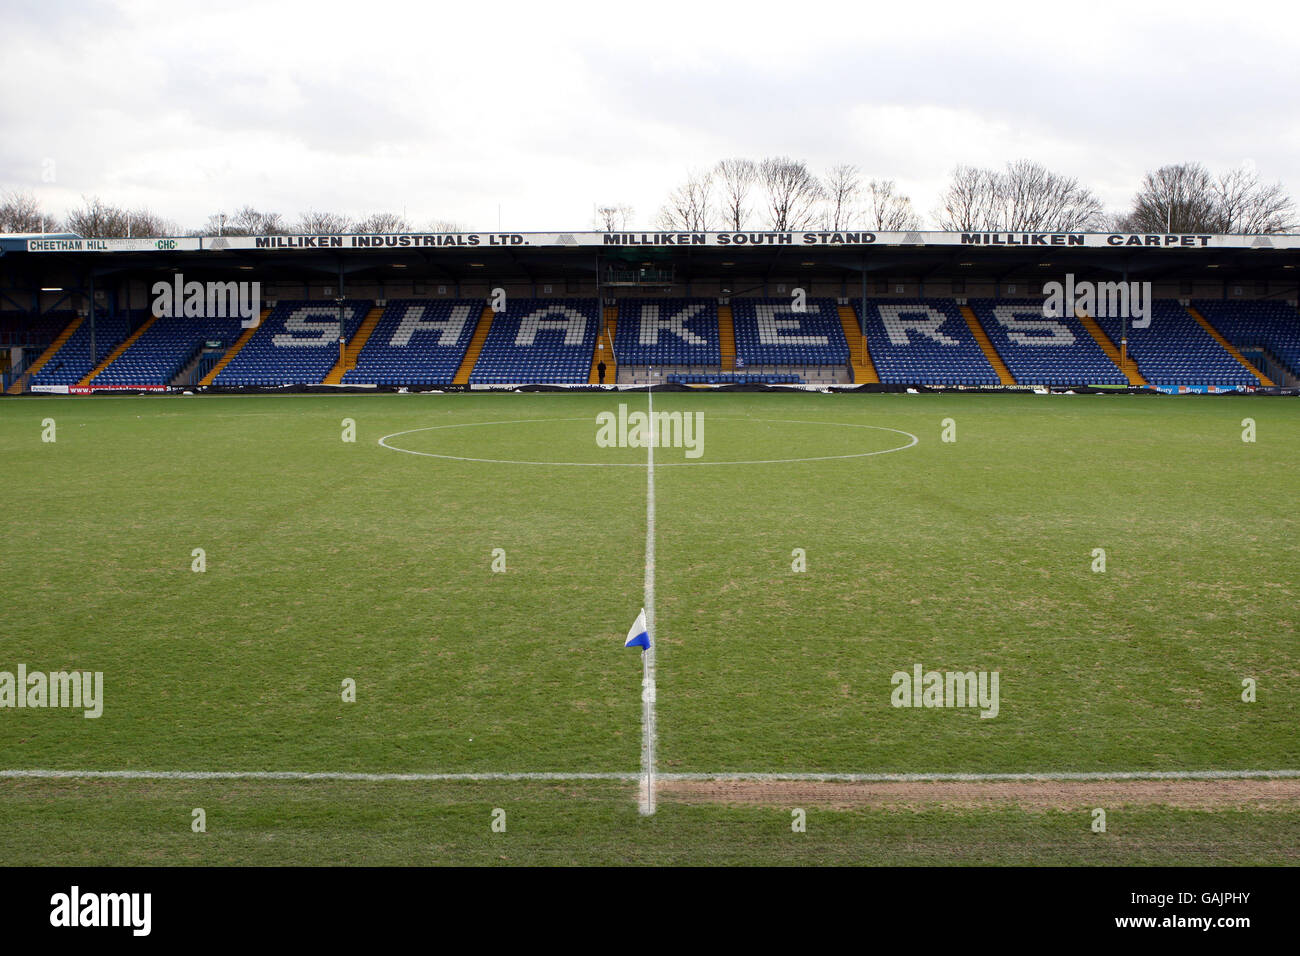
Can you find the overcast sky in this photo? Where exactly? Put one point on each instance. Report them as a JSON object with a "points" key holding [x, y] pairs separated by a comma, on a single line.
{"points": [[451, 110]]}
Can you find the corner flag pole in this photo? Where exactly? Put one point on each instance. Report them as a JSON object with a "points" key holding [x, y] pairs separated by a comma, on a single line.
{"points": [[648, 719]]}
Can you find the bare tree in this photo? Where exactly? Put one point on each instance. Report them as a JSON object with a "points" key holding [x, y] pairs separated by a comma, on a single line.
{"points": [[144, 223], [1177, 198], [793, 193], [215, 225], [445, 225], [611, 218], [256, 223], [323, 223], [970, 201], [842, 189], [1024, 196], [21, 212], [736, 179], [96, 219], [1245, 205], [246, 221], [1037, 199], [382, 223], [690, 206], [1186, 197], [888, 210]]}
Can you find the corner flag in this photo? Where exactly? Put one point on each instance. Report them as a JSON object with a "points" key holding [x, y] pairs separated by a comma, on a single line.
{"points": [[638, 636]]}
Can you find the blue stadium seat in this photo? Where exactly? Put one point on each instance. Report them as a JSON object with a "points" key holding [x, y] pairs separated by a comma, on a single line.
{"points": [[923, 342], [769, 332], [296, 345], [667, 332], [166, 347], [1044, 351], [73, 362], [1271, 325], [417, 342], [28, 330], [539, 341], [1176, 350]]}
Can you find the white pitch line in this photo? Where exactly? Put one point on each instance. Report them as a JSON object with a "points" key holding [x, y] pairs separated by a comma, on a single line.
{"points": [[648, 730], [629, 776], [983, 777], [383, 443], [303, 775]]}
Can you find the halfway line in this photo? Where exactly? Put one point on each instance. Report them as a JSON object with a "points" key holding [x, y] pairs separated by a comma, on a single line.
{"points": [[631, 777], [648, 731]]}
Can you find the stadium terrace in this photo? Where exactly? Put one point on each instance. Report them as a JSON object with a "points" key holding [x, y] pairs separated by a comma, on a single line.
{"points": [[818, 309]]}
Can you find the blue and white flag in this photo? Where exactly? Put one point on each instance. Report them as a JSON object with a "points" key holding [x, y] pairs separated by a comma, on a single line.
{"points": [[638, 636]]}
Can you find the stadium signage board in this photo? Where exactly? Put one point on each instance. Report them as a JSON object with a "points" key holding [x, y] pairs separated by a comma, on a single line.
{"points": [[730, 240], [478, 240], [169, 244]]}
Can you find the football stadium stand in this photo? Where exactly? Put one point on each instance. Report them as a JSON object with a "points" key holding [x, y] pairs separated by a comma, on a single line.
{"points": [[164, 348], [864, 370], [1175, 350], [545, 341], [727, 337], [73, 361], [894, 309], [417, 342], [605, 349], [667, 332], [1044, 351], [355, 345], [296, 344], [1274, 326], [930, 341], [923, 342], [770, 332], [26, 330]]}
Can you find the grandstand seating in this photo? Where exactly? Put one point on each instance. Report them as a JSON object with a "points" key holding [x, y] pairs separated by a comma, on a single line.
{"points": [[71, 362], [417, 342], [1042, 351], [1175, 350], [923, 342], [667, 332], [911, 341], [769, 332], [296, 344], [33, 331], [1271, 325], [539, 340], [166, 347]]}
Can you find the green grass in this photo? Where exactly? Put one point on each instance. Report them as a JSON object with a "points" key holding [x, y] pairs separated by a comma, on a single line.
{"points": [[268, 824], [328, 561]]}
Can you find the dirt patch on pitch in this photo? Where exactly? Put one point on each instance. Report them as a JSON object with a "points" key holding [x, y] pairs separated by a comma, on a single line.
{"points": [[1026, 794]]}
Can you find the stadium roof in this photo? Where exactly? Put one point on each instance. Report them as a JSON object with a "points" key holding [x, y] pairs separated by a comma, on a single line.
{"points": [[821, 253], [18, 241]]}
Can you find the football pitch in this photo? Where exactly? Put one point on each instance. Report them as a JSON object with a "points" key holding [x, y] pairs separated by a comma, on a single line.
{"points": [[1120, 574]]}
